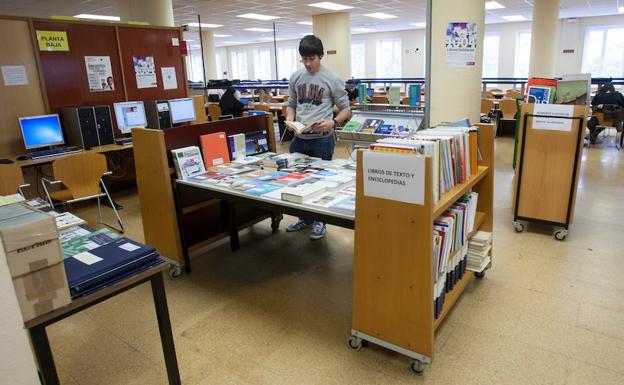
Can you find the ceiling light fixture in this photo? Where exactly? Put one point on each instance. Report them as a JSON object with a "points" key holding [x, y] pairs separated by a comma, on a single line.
{"points": [[97, 17], [304, 22], [363, 30], [380, 15], [331, 6], [419, 25], [514, 18], [257, 16], [219, 35], [205, 25], [258, 29], [493, 5]]}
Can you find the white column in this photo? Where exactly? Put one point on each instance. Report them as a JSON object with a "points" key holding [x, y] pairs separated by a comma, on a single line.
{"points": [[154, 12], [544, 38], [453, 93], [210, 57], [334, 29]]}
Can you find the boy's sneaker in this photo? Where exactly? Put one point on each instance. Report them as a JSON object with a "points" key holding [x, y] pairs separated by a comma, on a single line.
{"points": [[299, 225], [318, 232]]}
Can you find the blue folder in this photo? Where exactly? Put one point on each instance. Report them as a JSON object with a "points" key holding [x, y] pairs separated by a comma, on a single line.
{"points": [[106, 263]]}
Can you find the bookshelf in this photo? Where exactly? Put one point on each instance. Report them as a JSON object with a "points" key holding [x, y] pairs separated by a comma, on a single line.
{"points": [[393, 283]]}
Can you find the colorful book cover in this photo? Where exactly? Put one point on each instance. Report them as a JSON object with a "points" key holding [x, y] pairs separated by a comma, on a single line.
{"points": [[346, 206], [214, 149], [256, 142], [540, 95], [371, 125], [291, 178], [264, 188], [188, 162], [351, 126], [414, 95], [385, 129], [362, 93], [394, 95], [87, 242], [571, 92]]}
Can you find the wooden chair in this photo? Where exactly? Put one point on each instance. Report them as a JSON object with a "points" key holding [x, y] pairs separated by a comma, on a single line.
{"points": [[487, 105], [11, 179], [379, 100], [606, 124], [513, 94], [80, 176], [215, 112], [508, 108], [487, 95], [262, 107], [405, 100], [496, 91], [285, 98]]}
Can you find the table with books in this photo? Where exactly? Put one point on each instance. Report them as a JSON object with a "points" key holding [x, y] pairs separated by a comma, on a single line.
{"points": [[303, 186], [60, 266]]}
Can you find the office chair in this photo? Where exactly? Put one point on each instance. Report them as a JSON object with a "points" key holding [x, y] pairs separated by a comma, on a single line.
{"points": [[214, 111], [508, 109], [81, 174], [11, 179], [513, 94]]}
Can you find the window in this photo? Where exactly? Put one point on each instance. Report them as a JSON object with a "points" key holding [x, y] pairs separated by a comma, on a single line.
{"points": [[603, 52], [491, 43], [220, 69], [239, 65], [194, 64], [389, 58], [358, 59], [262, 64], [523, 54], [287, 59]]}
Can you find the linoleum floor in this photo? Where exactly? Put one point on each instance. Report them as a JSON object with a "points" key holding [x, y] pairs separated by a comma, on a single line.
{"points": [[279, 310]]}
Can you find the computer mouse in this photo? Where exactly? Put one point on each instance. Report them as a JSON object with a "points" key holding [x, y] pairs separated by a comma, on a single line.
{"points": [[22, 157]]}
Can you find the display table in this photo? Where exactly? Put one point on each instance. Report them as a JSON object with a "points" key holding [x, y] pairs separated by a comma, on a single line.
{"points": [[186, 190], [39, 337]]}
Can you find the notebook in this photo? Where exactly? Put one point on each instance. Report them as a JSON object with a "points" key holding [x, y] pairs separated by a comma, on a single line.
{"points": [[214, 149]]}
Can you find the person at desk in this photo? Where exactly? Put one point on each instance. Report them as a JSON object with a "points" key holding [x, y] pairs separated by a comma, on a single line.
{"points": [[230, 104], [314, 90], [606, 95]]}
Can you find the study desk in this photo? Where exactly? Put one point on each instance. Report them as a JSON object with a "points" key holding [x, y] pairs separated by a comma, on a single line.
{"points": [[186, 190], [108, 148], [41, 344]]}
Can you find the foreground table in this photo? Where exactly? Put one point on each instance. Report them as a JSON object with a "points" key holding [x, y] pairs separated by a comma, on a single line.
{"points": [[41, 344]]}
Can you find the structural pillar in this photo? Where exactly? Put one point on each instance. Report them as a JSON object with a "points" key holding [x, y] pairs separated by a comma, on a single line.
{"points": [[209, 55], [544, 38], [334, 29], [453, 90], [154, 12]]}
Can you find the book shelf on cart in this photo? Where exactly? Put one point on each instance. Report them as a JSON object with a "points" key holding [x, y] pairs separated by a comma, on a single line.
{"points": [[393, 279]]}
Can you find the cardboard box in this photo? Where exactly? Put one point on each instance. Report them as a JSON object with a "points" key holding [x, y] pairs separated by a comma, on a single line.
{"points": [[30, 239], [42, 291]]}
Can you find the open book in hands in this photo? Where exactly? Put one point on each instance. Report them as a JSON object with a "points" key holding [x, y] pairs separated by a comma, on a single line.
{"points": [[299, 127]]}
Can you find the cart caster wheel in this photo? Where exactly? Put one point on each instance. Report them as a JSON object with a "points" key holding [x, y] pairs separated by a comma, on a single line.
{"points": [[175, 272], [355, 343], [480, 274], [561, 235], [519, 227], [275, 222], [417, 367]]}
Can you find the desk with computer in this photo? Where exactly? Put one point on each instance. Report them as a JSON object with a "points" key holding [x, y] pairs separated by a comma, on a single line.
{"points": [[91, 128]]}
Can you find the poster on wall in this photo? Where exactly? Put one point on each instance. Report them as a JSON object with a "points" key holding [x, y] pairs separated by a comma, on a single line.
{"points": [[145, 71], [169, 78], [14, 75], [99, 73], [461, 44]]}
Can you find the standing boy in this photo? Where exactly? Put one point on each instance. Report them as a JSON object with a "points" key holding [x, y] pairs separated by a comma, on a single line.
{"points": [[313, 92]]}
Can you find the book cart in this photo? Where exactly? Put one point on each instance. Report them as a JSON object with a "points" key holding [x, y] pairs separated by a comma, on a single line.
{"points": [[393, 278], [409, 116], [546, 175]]}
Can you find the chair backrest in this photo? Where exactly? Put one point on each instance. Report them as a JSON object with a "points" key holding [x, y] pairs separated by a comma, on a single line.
{"points": [[379, 100], [487, 95], [601, 119], [487, 105], [215, 112], [496, 90], [508, 107], [405, 100], [81, 173], [513, 94], [200, 109], [262, 107], [11, 178]]}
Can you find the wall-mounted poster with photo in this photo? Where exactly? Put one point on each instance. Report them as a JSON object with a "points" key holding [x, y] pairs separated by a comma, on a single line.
{"points": [[99, 73], [145, 71]]}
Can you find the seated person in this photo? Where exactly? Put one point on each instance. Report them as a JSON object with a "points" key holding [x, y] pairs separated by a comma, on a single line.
{"points": [[606, 95], [230, 104]]}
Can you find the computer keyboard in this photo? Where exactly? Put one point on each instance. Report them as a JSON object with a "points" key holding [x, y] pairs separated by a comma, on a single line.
{"points": [[54, 152], [123, 141]]}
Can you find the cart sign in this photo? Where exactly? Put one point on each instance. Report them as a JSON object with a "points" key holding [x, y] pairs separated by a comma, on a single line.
{"points": [[397, 177], [555, 113]]}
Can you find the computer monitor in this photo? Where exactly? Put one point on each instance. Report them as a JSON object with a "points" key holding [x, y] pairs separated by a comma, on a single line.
{"points": [[130, 115], [181, 110], [41, 131]]}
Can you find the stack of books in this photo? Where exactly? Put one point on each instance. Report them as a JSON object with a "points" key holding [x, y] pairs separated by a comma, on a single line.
{"points": [[479, 251], [450, 247]]}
